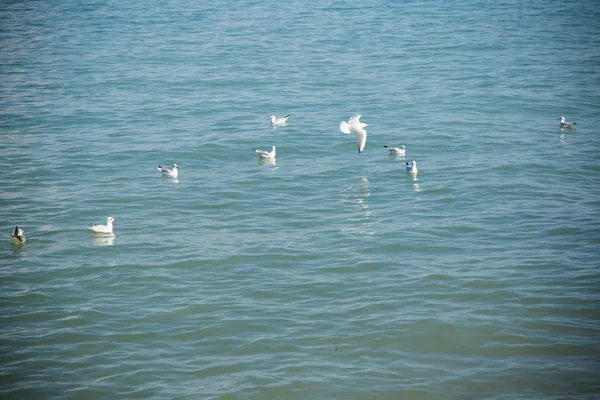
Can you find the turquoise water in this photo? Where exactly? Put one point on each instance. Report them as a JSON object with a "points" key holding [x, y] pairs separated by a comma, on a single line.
{"points": [[328, 274]]}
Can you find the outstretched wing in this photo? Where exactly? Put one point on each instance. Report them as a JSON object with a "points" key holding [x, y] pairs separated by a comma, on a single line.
{"points": [[355, 119], [344, 127]]}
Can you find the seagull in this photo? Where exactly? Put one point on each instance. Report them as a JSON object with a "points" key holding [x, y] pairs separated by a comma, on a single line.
{"points": [[266, 154], [108, 228], [173, 173], [412, 167], [565, 124], [397, 151], [18, 236], [354, 125], [275, 121]]}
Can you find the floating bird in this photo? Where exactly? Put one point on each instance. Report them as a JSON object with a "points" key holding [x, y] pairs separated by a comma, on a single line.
{"points": [[412, 167], [397, 151], [173, 173], [266, 154], [565, 124], [18, 236], [108, 228], [354, 125], [278, 121]]}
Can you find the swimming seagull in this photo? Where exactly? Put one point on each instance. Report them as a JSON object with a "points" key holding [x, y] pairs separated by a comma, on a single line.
{"points": [[412, 167], [18, 236], [173, 173], [108, 228], [397, 151], [565, 124], [354, 125], [278, 121], [266, 154]]}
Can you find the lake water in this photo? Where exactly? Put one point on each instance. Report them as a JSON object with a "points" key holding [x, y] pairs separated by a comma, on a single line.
{"points": [[326, 274]]}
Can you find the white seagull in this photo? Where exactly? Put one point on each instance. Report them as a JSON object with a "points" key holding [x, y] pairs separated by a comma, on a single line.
{"points": [[108, 228], [173, 173], [266, 154], [397, 151], [18, 236], [278, 121], [565, 124], [354, 125], [412, 167]]}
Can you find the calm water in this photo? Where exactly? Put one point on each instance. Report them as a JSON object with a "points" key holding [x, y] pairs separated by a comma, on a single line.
{"points": [[328, 274]]}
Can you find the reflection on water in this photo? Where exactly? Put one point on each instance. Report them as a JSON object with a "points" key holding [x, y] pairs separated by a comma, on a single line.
{"points": [[104, 239], [415, 185], [164, 176], [266, 161], [18, 247], [355, 194], [269, 164], [361, 192], [396, 156], [562, 139], [355, 198]]}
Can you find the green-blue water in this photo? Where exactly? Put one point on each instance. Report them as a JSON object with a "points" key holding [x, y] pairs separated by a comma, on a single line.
{"points": [[328, 275]]}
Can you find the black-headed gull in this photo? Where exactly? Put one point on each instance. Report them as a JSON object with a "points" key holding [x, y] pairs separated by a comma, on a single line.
{"points": [[354, 125], [18, 236], [278, 121], [397, 151], [565, 124], [173, 173], [412, 167], [266, 154], [108, 228]]}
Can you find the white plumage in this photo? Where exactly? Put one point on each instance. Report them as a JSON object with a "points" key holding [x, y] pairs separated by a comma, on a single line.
{"points": [[354, 125], [278, 121], [412, 167], [173, 173], [565, 124], [18, 236], [397, 151], [108, 228], [266, 154]]}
